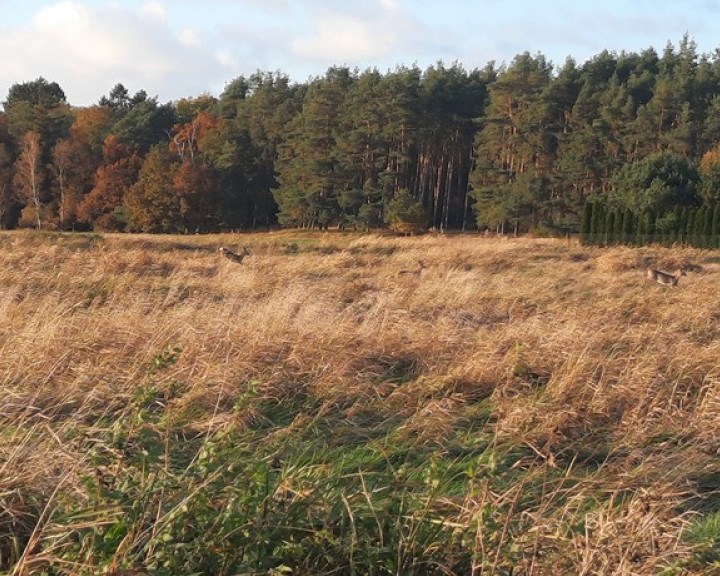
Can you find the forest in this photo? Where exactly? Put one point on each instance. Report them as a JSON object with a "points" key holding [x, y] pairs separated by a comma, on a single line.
{"points": [[516, 148]]}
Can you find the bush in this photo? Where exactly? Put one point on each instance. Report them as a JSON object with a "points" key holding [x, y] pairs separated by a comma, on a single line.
{"points": [[405, 214]]}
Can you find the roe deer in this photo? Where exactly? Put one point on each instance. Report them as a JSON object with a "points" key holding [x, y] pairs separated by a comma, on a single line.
{"points": [[664, 278], [232, 255], [416, 272]]}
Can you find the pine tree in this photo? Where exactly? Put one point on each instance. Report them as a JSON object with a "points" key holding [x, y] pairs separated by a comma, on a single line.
{"points": [[586, 223], [597, 225], [310, 174], [700, 219], [690, 225], [715, 227], [629, 227], [618, 227], [707, 228], [610, 227]]}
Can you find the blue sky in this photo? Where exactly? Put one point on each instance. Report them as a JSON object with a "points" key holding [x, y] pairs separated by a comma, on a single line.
{"points": [[184, 48]]}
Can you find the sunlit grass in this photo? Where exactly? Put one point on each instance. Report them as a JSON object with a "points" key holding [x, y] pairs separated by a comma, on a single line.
{"points": [[517, 405]]}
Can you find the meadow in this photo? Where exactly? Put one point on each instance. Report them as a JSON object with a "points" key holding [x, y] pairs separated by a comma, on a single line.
{"points": [[517, 406]]}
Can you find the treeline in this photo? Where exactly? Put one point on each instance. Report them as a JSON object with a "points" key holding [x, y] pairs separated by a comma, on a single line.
{"points": [[697, 226], [518, 148]]}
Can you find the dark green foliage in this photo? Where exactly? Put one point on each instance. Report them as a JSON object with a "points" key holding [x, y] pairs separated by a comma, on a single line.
{"points": [[657, 183], [629, 227], [618, 226], [715, 223], [689, 225], [597, 222], [405, 214], [39, 92], [610, 227], [145, 123], [151, 204], [310, 176], [586, 227]]}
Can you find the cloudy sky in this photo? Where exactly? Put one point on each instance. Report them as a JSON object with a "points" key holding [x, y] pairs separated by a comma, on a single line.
{"points": [[183, 48]]}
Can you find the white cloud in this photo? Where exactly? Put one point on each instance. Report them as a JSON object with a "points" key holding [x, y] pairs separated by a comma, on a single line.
{"points": [[390, 4], [359, 34], [87, 51], [226, 59], [345, 39], [189, 38], [155, 10], [64, 15]]}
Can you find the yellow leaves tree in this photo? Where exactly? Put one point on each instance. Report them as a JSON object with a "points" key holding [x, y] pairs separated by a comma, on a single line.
{"points": [[710, 171], [28, 177], [90, 126]]}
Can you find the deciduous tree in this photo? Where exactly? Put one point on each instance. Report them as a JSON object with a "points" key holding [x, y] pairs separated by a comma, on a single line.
{"points": [[710, 171], [152, 204], [101, 208], [28, 179]]}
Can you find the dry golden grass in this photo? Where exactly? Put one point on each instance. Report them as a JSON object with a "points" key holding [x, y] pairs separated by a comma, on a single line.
{"points": [[578, 356]]}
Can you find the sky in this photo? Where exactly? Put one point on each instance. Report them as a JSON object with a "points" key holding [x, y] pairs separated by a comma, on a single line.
{"points": [[177, 49]]}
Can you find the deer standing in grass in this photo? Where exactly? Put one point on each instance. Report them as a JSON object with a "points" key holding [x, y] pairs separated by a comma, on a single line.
{"points": [[230, 255], [664, 278]]}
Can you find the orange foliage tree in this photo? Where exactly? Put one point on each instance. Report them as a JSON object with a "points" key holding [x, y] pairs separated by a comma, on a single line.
{"points": [[90, 126], [710, 170], [102, 207], [177, 189], [74, 170]]}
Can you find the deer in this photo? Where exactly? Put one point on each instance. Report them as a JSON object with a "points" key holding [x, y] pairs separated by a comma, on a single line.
{"points": [[233, 256], [664, 278], [416, 272]]}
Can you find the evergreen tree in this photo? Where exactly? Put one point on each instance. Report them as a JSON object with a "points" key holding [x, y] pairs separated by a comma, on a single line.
{"points": [[715, 227], [451, 99], [255, 128], [512, 149], [10, 204], [657, 183], [618, 225], [690, 224], [144, 123], [610, 226], [361, 149], [586, 224], [597, 223], [629, 227], [310, 174]]}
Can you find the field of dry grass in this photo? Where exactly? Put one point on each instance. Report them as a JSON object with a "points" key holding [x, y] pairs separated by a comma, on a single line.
{"points": [[518, 406]]}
